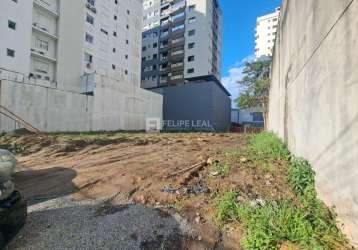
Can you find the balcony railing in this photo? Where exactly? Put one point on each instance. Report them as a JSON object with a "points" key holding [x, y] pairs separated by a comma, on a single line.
{"points": [[47, 7], [178, 52], [176, 77], [176, 65], [44, 30], [178, 40]]}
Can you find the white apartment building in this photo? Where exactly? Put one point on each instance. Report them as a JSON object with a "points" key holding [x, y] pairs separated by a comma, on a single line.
{"points": [[57, 43], [182, 40], [266, 29]]}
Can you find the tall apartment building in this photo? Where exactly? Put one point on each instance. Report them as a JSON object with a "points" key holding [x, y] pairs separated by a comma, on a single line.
{"points": [[57, 43], [266, 28], [181, 41]]}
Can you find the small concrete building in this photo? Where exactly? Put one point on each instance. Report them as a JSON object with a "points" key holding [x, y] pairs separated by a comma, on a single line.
{"points": [[201, 104], [248, 117]]}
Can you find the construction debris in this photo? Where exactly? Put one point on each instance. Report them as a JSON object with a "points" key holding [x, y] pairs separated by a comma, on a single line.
{"points": [[191, 168]]}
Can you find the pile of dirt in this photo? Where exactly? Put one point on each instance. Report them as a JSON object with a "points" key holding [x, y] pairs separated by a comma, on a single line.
{"points": [[25, 144]]}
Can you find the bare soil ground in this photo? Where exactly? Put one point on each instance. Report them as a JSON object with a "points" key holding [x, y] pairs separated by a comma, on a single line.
{"points": [[139, 168]]}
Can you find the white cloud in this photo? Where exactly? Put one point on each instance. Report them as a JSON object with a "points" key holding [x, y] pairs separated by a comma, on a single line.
{"points": [[233, 75], [230, 82]]}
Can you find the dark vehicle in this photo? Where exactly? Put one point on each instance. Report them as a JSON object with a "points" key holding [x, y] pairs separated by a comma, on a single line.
{"points": [[13, 210]]}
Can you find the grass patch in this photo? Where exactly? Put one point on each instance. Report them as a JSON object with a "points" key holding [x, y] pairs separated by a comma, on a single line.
{"points": [[267, 146], [222, 169], [304, 222]]}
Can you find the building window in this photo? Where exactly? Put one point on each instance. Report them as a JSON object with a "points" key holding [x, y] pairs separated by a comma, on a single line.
{"points": [[126, 72], [91, 2], [191, 59], [90, 19], [41, 67], [113, 66], [144, 48], [191, 32], [257, 117], [155, 56], [128, 12], [114, 33], [143, 59], [115, 17], [155, 45], [191, 45], [126, 56], [88, 58], [41, 44], [190, 71], [104, 31], [10, 52], [89, 38], [12, 25], [127, 26], [127, 41], [192, 20]]}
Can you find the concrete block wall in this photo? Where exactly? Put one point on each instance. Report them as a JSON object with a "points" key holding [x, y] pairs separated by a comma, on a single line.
{"points": [[113, 106], [314, 96]]}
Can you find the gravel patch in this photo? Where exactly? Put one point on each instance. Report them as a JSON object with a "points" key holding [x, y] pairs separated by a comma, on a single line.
{"points": [[66, 224]]}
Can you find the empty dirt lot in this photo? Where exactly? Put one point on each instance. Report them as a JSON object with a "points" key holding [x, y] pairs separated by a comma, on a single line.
{"points": [[176, 173]]}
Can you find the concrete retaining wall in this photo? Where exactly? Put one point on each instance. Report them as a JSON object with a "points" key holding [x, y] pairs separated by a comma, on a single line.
{"points": [[314, 96], [114, 106]]}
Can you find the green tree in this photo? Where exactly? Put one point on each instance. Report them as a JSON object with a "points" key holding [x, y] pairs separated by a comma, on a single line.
{"points": [[255, 86]]}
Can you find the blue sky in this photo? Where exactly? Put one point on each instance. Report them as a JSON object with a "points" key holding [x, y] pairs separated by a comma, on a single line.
{"points": [[239, 23]]}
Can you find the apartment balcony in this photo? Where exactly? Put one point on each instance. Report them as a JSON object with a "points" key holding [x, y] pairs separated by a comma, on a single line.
{"points": [[177, 52], [45, 6], [164, 48], [91, 7], [164, 35], [178, 6], [176, 56], [165, 2], [177, 42], [42, 55], [43, 30], [176, 79], [165, 13], [178, 20], [165, 24], [164, 69], [177, 66], [177, 33]]}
